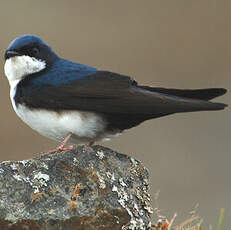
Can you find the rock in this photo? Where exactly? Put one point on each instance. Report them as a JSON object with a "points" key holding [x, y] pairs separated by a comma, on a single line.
{"points": [[87, 188]]}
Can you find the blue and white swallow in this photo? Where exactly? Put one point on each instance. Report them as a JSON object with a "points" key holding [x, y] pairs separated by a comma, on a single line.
{"points": [[76, 103]]}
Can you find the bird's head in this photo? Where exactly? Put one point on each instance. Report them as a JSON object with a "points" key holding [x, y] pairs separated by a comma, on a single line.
{"points": [[26, 55]]}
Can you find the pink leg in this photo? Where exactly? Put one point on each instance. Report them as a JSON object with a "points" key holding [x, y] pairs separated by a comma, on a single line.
{"points": [[64, 142], [62, 147]]}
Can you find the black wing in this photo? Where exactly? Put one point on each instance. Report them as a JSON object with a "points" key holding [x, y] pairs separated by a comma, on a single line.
{"points": [[123, 103]]}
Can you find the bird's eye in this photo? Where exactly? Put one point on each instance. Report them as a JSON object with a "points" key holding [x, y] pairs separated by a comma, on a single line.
{"points": [[35, 51]]}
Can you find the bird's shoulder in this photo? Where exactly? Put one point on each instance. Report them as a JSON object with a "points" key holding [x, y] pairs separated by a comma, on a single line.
{"points": [[62, 72], [65, 72], [72, 79]]}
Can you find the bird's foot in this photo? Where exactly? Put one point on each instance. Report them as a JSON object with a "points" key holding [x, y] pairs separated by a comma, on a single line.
{"points": [[62, 147]]}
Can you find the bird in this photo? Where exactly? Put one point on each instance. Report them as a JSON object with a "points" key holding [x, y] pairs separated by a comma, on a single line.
{"points": [[74, 103]]}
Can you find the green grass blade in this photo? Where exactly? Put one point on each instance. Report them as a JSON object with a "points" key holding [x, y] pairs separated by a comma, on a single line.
{"points": [[220, 220]]}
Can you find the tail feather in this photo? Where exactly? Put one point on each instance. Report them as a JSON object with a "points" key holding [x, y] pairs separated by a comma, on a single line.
{"points": [[182, 100], [201, 94], [202, 105]]}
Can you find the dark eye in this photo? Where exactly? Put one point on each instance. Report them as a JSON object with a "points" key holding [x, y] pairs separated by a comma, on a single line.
{"points": [[35, 51]]}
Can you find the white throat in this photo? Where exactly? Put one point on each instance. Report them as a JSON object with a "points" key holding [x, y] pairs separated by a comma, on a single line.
{"points": [[16, 68]]}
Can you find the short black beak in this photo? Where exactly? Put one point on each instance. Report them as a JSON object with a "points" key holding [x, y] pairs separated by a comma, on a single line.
{"points": [[11, 53]]}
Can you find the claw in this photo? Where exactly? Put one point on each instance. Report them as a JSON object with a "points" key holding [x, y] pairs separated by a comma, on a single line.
{"points": [[62, 146]]}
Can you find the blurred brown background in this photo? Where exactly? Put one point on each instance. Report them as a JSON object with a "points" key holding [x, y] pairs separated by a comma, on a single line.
{"points": [[184, 44]]}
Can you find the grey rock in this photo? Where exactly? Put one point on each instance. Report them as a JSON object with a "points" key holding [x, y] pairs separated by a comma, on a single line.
{"points": [[92, 188]]}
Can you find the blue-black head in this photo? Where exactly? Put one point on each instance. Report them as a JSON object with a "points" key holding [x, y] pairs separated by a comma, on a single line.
{"points": [[32, 46], [26, 55]]}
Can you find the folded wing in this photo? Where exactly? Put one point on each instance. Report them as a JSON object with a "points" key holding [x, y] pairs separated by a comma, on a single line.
{"points": [[120, 99]]}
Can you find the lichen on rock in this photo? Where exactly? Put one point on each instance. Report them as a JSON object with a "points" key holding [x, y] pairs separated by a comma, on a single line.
{"points": [[85, 188]]}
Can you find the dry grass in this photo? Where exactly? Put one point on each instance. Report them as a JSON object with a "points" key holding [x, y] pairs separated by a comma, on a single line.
{"points": [[194, 222]]}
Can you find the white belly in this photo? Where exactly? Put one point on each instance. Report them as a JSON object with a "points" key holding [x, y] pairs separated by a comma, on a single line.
{"points": [[84, 126]]}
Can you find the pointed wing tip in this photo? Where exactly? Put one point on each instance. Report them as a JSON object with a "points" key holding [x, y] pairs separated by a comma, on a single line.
{"points": [[222, 91]]}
